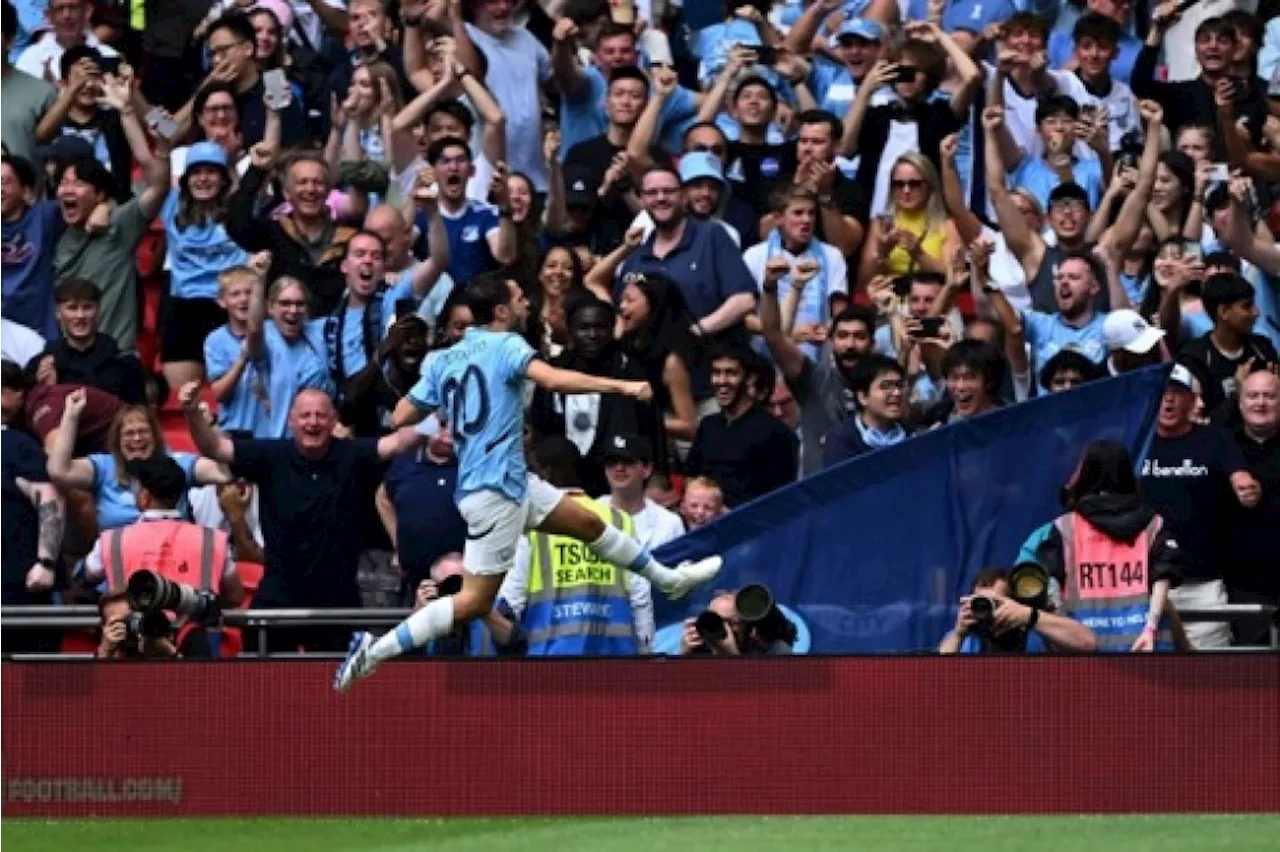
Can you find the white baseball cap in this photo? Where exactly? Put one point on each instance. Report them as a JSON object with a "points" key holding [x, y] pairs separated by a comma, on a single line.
{"points": [[1126, 329]]}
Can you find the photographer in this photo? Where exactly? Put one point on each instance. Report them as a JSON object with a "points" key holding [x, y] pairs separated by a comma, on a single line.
{"points": [[127, 636], [990, 621], [481, 637], [727, 629], [194, 564]]}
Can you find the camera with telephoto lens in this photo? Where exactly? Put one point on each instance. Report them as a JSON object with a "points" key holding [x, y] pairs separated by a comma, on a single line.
{"points": [[1029, 586], [449, 586], [149, 625], [712, 629], [150, 592], [766, 624]]}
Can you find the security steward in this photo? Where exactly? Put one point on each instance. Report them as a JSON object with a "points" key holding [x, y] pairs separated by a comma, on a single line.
{"points": [[164, 542], [572, 603]]}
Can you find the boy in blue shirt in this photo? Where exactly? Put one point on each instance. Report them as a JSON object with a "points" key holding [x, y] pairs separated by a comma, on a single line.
{"points": [[477, 385], [234, 378]]}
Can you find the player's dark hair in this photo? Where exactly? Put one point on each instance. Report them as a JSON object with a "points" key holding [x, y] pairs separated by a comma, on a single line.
{"points": [[239, 25], [1100, 28], [487, 292]]}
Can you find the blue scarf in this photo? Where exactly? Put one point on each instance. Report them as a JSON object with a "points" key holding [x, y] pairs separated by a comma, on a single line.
{"points": [[878, 439], [813, 301]]}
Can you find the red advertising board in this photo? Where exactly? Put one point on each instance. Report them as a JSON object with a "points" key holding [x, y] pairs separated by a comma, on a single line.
{"points": [[795, 736]]}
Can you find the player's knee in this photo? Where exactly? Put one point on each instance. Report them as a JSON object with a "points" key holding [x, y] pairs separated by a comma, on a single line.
{"points": [[592, 526], [469, 605]]}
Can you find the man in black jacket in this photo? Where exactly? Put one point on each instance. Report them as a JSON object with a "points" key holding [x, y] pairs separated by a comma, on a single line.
{"points": [[744, 449], [306, 244], [84, 356], [589, 420], [1192, 101]]}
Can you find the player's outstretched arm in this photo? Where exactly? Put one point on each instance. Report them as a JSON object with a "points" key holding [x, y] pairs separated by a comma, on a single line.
{"points": [[408, 413], [570, 381]]}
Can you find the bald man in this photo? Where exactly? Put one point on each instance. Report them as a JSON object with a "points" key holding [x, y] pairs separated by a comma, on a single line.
{"points": [[425, 282], [1252, 566], [315, 494]]}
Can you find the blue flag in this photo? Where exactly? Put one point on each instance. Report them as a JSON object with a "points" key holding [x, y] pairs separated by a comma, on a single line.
{"points": [[874, 554]]}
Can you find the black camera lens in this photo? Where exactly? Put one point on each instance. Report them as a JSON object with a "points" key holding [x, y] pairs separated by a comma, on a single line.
{"points": [[983, 609], [711, 627], [449, 586]]}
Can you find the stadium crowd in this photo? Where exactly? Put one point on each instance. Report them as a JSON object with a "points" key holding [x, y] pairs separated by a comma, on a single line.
{"points": [[815, 228]]}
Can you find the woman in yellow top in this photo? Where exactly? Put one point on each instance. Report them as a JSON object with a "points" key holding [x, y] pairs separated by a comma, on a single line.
{"points": [[911, 235]]}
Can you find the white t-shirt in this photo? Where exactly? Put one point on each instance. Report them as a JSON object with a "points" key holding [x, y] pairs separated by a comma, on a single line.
{"points": [[18, 343], [518, 65], [655, 526], [46, 48], [206, 511]]}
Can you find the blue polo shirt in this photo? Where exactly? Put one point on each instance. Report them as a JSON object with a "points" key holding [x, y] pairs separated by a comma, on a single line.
{"points": [[706, 264], [428, 524]]}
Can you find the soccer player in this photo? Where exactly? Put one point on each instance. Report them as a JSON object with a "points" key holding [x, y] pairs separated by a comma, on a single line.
{"points": [[477, 385]]}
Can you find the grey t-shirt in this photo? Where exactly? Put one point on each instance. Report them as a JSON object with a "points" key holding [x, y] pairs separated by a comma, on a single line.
{"points": [[824, 400], [107, 260], [23, 100]]}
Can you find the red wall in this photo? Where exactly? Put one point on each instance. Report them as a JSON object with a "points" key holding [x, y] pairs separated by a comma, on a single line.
{"points": [[801, 735]]}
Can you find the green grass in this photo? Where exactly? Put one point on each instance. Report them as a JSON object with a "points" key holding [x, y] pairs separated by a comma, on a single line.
{"points": [[697, 834]]}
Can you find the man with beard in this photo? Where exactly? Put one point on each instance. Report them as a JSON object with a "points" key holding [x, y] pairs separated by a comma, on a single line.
{"points": [[741, 447], [821, 384], [84, 356], [1192, 101], [477, 385], [307, 244], [611, 161], [1077, 323], [879, 385], [699, 256], [590, 419]]}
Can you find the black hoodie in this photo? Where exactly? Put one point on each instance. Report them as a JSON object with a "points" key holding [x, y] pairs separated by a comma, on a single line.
{"points": [[1121, 517], [102, 366]]}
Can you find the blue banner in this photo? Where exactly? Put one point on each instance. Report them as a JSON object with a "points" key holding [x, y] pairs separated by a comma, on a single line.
{"points": [[874, 554]]}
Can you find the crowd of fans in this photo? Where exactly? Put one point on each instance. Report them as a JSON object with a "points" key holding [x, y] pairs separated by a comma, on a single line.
{"points": [[814, 227]]}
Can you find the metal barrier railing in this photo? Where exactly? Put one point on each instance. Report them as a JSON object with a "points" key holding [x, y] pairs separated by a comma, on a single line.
{"points": [[62, 617]]}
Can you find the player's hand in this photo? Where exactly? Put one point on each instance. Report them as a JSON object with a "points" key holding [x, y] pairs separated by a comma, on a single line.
{"points": [[1145, 642]]}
